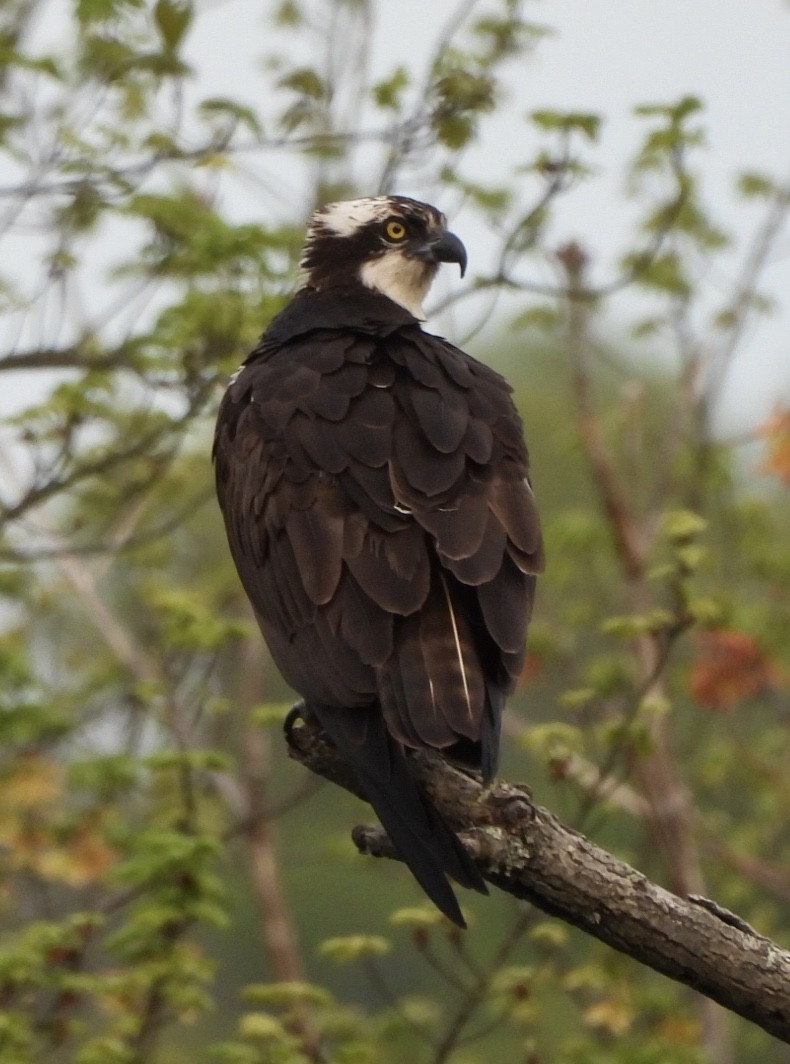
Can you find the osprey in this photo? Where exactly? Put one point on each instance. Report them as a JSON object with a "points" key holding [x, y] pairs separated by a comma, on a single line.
{"points": [[373, 481]]}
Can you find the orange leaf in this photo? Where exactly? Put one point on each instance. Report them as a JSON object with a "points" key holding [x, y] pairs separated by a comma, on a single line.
{"points": [[91, 857], [31, 782], [81, 860], [533, 667], [776, 431], [730, 666]]}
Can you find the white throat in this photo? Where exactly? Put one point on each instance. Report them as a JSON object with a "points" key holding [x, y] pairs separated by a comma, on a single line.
{"points": [[405, 281]]}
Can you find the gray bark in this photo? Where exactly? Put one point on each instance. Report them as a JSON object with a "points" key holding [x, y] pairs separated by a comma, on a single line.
{"points": [[524, 850]]}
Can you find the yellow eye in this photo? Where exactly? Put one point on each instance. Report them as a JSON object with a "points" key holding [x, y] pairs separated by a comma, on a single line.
{"points": [[395, 230]]}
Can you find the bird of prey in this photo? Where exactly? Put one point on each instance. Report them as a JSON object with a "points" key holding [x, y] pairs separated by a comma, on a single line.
{"points": [[373, 481]]}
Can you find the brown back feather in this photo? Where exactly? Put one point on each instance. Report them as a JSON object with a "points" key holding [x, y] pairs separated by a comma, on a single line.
{"points": [[376, 499]]}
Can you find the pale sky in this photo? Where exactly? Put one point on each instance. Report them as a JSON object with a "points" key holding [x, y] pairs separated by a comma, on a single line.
{"points": [[605, 56]]}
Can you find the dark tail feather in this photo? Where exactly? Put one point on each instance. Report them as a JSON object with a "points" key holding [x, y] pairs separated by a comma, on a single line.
{"points": [[491, 731], [422, 838]]}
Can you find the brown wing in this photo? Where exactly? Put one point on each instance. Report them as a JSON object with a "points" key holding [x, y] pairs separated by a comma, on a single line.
{"points": [[377, 505]]}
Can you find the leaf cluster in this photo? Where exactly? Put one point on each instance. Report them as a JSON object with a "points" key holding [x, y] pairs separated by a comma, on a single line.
{"points": [[158, 862]]}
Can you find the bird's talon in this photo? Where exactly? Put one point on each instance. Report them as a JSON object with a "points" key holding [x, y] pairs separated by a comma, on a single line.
{"points": [[295, 713]]}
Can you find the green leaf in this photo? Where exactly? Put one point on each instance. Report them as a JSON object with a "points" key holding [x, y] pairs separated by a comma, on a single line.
{"points": [[348, 948], [419, 916], [554, 741], [664, 273], [655, 706], [81, 213], [172, 18], [546, 318], [288, 14], [305, 81], [549, 933], [286, 993], [507, 36], [676, 113], [263, 1027], [515, 981], [577, 698], [388, 93], [683, 525], [29, 722], [459, 89], [454, 130], [585, 122], [106, 1049], [753, 185], [223, 106], [608, 675], [188, 621], [210, 760], [106, 58], [106, 775], [705, 609], [630, 625], [234, 1053], [691, 556], [460, 97], [88, 11]]}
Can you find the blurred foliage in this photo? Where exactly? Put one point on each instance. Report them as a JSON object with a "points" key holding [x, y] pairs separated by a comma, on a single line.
{"points": [[170, 888]]}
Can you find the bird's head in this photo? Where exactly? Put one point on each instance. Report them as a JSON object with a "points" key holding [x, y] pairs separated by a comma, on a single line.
{"points": [[390, 244]]}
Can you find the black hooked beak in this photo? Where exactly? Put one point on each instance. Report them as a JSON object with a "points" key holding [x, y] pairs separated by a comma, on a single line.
{"points": [[445, 248]]}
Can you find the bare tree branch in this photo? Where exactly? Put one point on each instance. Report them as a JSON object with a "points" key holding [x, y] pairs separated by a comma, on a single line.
{"points": [[61, 358], [742, 307], [628, 536], [671, 815], [406, 135], [525, 851]]}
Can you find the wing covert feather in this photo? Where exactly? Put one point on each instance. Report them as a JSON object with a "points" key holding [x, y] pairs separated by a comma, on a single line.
{"points": [[374, 485], [381, 519]]}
